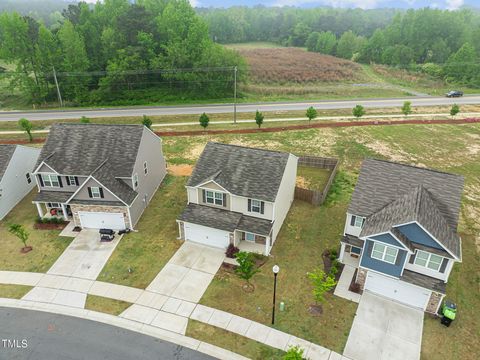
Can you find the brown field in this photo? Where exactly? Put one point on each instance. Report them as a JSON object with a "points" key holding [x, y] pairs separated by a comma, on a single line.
{"points": [[295, 65]]}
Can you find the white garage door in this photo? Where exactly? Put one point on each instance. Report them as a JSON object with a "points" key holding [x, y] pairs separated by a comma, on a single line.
{"points": [[206, 235], [102, 220], [397, 290]]}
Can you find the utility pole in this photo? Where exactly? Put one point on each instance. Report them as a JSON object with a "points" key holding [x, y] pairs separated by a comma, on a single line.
{"points": [[235, 95], [58, 88]]}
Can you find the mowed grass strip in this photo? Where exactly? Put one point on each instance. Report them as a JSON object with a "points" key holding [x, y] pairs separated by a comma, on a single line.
{"points": [[106, 305], [47, 244], [141, 255], [14, 291], [231, 341]]}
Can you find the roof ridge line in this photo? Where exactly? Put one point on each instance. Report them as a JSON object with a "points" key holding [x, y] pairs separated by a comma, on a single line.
{"points": [[248, 147], [99, 166], [414, 166]]}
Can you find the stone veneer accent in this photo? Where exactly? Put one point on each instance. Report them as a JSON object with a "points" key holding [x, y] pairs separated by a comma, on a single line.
{"points": [[99, 208], [434, 302], [181, 226], [361, 277]]}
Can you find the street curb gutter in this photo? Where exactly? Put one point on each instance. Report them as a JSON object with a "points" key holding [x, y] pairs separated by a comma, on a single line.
{"points": [[131, 325]]}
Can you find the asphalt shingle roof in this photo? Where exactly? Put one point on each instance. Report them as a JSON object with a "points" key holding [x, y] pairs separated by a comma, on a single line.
{"points": [[417, 202], [6, 153], [224, 219], [423, 281], [381, 182], [249, 172], [78, 149], [106, 152]]}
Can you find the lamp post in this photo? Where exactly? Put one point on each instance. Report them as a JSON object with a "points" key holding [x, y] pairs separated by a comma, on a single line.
{"points": [[275, 270]]}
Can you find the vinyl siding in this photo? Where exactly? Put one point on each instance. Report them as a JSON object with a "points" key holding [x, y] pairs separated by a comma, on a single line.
{"points": [[416, 234], [387, 239], [381, 266], [13, 185], [83, 193], [349, 229], [150, 150], [285, 195]]}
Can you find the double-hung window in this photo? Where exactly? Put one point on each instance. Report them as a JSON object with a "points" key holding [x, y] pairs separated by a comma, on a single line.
{"points": [[357, 221], [256, 206], [384, 253], [145, 168], [428, 260], [135, 181], [50, 180], [213, 197], [72, 180], [29, 178], [95, 192]]}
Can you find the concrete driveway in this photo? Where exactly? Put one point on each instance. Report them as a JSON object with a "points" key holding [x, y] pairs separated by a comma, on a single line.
{"points": [[384, 330], [85, 257], [188, 273]]}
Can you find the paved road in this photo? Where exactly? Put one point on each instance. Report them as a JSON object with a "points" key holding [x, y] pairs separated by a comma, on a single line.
{"points": [[50, 337], [285, 106]]}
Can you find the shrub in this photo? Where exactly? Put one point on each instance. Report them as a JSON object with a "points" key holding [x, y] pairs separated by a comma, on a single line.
{"points": [[20, 232], [454, 110], [407, 108], [358, 111], [232, 250], [311, 113], [147, 122], [322, 283], [84, 120], [294, 353], [259, 118], [246, 265], [26, 126], [204, 120]]}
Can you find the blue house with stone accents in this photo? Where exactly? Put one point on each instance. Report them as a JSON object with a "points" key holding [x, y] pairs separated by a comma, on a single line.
{"points": [[401, 232]]}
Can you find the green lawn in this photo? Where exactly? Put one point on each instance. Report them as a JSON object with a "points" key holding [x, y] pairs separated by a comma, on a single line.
{"points": [[233, 342], [106, 305], [47, 245], [146, 252], [14, 291], [312, 178]]}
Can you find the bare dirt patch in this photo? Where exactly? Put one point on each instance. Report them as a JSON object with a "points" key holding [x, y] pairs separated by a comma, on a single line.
{"points": [[302, 182], [180, 170], [195, 151]]}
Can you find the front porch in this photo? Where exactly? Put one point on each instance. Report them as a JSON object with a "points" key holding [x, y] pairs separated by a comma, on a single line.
{"points": [[53, 204], [251, 247]]}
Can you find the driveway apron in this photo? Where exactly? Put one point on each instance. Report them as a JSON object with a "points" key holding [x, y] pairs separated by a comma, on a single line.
{"points": [[384, 330]]}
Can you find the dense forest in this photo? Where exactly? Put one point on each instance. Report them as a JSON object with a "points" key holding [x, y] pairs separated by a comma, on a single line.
{"points": [[444, 44], [116, 51]]}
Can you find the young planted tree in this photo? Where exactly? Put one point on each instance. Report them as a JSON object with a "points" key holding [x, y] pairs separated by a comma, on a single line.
{"points": [[26, 126], [294, 353], [407, 108], [246, 265], [358, 111], [147, 122], [204, 120], [321, 284], [454, 110], [84, 120], [259, 118], [20, 232], [311, 113]]}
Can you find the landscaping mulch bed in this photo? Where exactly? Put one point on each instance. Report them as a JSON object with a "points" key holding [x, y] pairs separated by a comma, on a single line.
{"points": [[50, 226], [327, 265], [354, 287]]}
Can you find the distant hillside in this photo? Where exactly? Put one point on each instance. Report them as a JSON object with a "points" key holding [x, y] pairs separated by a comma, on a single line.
{"points": [[45, 10]]}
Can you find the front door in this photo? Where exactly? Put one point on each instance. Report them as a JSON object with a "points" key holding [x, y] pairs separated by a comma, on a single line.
{"points": [[249, 237]]}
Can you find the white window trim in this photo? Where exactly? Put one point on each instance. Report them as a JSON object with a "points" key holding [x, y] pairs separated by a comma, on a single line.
{"points": [[48, 178], [428, 260], [252, 206], [95, 192], [51, 205], [145, 168], [214, 197], [249, 233], [74, 182], [29, 178], [384, 253], [362, 219]]}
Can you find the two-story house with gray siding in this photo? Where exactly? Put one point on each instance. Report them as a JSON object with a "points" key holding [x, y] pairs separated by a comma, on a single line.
{"points": [[16, 180], [238, 195], [401, 232], [98, 176]]}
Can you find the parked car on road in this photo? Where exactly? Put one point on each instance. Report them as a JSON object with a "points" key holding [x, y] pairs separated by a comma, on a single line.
{"points": [[454, 93]]}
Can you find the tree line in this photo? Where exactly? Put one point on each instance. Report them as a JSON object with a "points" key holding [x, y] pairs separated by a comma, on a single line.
{"points": [[117, 51], [444, 44]]}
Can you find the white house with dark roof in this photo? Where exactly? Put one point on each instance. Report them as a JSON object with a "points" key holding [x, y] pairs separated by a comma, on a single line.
{"points": [[238, 195], [401, 232], [99, 176], [16, 180]]}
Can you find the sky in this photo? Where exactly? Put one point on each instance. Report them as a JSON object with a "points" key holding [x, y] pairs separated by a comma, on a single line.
{"points": [[364, 4]]}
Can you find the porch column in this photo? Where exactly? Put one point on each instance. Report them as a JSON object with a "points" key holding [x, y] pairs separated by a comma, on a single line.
{"points": [[39, 209], [267, 246], [64, 211], [342, 252]]}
